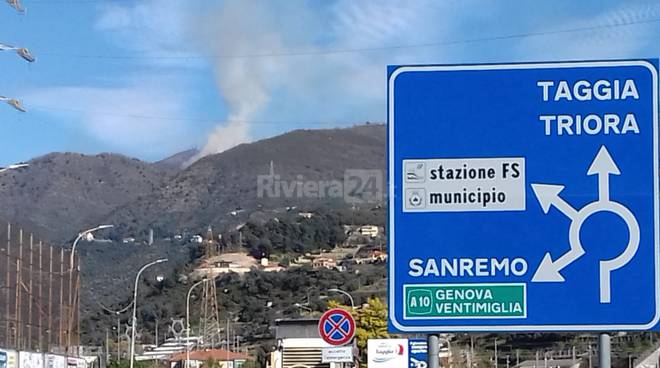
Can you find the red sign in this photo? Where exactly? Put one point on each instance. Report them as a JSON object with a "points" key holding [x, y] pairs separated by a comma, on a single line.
{"points": [[337, 327]]}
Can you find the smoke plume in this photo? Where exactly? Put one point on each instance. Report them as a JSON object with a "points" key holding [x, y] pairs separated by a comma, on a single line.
{"points": [[246, 83]]}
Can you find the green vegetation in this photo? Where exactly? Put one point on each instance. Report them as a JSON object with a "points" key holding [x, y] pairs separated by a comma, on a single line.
{"points": [[370, 321], [287, 235]]}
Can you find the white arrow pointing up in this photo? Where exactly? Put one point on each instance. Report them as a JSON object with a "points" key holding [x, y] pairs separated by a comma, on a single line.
{"points": [[548, 196], [603, 166]]}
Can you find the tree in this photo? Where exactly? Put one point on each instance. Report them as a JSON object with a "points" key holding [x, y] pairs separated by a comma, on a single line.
{"points": [[370, 321]]}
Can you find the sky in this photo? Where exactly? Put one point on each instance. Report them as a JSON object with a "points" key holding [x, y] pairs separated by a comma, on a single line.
{"points": [[149, 78]]}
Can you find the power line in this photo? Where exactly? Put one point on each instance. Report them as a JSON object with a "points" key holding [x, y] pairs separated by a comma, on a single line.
{"points": [[203, 120], [295, 53]]}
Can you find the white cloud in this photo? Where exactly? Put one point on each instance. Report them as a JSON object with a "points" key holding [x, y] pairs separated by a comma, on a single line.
{"points": [[341, 87], [124, 118], [614, 35], [153, 29]]}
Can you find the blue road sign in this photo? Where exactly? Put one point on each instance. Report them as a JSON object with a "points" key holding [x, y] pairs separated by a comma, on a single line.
{"points": [[417, 353], [523, 197]]}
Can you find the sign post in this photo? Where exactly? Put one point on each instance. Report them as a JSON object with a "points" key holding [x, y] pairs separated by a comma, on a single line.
{"points": [[520, 191]]}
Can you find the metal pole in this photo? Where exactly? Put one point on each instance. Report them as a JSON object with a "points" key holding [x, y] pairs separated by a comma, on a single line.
{"points": [[69, 327], [604, 357], [50, 300], [468, 357], [134, 320], [496, 352], [19, 280], [118, 338], [345, 293], [188, 321], [107, 346], [71, 263], [434, 351], [41, 295], [60, 338], [536, 362], [8, 285], [30, 294], [471, 351]]}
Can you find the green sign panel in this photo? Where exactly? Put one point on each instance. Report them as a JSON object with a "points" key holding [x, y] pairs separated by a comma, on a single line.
{"points": [[465, 301]]}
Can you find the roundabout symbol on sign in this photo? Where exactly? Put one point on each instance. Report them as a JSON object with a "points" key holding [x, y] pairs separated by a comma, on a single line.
{"points": [[548, 196], [337, 327]]}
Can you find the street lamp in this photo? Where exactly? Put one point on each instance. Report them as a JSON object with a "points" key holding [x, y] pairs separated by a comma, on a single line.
{"points": [[16, 4], [24, 53], [118, 313], [80, 236], [134, 320], [188, 319], [345, 293], [73, 252], [15, 103]]}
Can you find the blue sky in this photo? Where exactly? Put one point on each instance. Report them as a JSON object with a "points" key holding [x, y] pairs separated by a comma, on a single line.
{"points": [[148, 78]]}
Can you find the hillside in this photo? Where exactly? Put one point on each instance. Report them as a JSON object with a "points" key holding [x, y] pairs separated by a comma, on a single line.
{"points": [[177, 161], [210, 189], [62, 193]]}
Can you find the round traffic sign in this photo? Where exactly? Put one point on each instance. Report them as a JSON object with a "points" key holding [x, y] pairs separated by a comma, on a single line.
{"points": [[337, 327]]}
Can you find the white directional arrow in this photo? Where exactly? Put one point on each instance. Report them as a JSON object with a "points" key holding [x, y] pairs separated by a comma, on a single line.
{"points": [[548, 270], [548, 196], [603, 166]]}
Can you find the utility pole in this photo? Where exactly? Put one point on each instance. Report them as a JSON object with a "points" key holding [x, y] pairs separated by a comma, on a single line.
{"points": [[118, 338], [604, 357], [107, 347], [8, 286], [50, 300], [19, 324], [471, 350], [30, 294], [41, 295], [536, 362], [434, 351], [60, 338]]}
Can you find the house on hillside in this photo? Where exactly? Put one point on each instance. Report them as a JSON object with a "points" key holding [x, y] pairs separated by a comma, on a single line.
{"points": [[324, 262], [219, 267], [368, 230]]}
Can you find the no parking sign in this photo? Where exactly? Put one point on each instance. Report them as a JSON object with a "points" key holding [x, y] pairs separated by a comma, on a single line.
{"points": [[337, 327]]}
